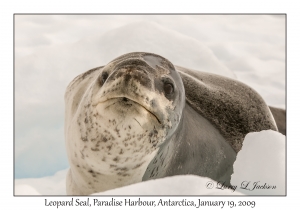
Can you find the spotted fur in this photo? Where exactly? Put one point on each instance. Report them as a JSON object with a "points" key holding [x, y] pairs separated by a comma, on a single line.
{"points": [[117, 116]]}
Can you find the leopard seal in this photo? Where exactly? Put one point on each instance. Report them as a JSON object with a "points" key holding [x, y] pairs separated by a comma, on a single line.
{"points": [[140, 117]]}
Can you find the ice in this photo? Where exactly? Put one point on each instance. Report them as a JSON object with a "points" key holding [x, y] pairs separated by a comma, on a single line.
{"points": [[175, 185], [260, 165]]}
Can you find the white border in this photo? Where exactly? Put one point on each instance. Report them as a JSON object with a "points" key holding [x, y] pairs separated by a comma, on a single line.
{"points": [[8, 8]]}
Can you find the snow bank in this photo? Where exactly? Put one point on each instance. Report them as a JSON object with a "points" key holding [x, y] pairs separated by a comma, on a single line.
{"points": [[147, 36], [25, 189], [176, 185], [260, 166], [50, 185]]}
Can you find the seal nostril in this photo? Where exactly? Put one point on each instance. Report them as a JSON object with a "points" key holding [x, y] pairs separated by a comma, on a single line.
{"points": [[125, 99], [104, 77]]}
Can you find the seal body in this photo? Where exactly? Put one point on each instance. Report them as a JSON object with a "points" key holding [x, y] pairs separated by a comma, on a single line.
{"points": [[198, 148], [140, 117], [218, 114]]}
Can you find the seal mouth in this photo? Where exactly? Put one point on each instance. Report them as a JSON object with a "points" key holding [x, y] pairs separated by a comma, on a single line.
{"points": [[127, 100]]}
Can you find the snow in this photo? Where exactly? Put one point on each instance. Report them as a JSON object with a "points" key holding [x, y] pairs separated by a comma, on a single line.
{"points": [[176, 185], [51, 50], [51, 185], [261, 162]]}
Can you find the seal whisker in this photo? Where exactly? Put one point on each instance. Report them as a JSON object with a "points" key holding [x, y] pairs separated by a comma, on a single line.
{"points": [[127, 98], [137, 121], [110, 105]]}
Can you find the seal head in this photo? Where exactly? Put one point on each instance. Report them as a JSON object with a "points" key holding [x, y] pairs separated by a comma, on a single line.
{"points": [[121, 113], [141, 87]]}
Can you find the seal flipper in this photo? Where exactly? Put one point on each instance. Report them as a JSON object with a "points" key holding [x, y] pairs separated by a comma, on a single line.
{"points": [[280, 118], [232, 107]]}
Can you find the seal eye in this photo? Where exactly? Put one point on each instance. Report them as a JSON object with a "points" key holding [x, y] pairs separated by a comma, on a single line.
{"points": [[104, 77], [168, 88]]}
